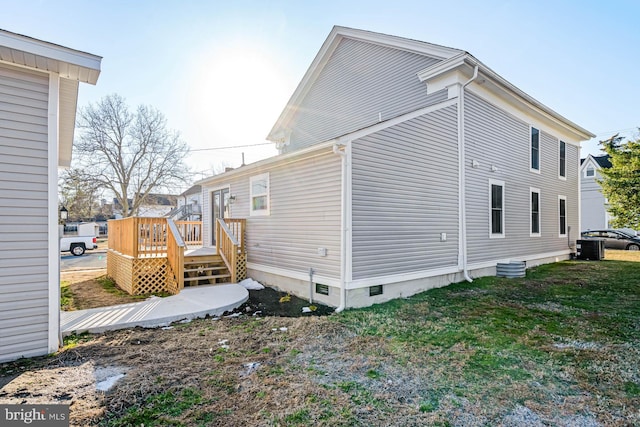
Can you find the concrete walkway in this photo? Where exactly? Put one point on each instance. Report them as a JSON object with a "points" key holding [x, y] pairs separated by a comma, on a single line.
{"points": [[190, 303]]}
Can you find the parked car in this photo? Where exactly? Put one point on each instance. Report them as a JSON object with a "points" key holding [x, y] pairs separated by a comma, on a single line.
{"points": [[614, 239], [78, 244]]}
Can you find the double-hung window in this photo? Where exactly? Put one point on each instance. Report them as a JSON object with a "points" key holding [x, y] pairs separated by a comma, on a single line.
{"points": [[535, 212], [535, 150], [562, 215], [259, 186], [496, 217], [562, 167]]}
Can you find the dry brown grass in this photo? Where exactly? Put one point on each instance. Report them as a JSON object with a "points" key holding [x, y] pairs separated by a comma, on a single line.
{"points": [[619, 255]]}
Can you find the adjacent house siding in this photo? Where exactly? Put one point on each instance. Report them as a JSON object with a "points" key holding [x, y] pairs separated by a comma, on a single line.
{"points": [[405, 194], [305, 201], [496, 138], [361, 84], [593, 207], [24, 280]]}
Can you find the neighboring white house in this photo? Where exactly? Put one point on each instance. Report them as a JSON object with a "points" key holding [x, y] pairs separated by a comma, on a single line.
{"points": [[593, 204], [189, 206], [404, 166], [38, 95], [154, 206]]}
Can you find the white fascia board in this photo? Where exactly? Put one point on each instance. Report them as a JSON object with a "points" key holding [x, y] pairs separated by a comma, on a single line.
{"points": [[324, 54], [460, 67], [45, 56], [410, 45], [589, 160], [271, 162]]}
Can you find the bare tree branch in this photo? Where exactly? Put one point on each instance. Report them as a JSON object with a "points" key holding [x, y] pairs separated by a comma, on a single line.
{"points": [[130, 154]]}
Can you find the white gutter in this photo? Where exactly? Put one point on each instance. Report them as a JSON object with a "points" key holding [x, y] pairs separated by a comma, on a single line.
{"points": [[337, 149], [463, 201]]}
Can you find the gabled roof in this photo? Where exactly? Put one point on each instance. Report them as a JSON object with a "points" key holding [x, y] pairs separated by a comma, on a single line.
{"points": [[599, 161], [454, 61], [72, 65], [336, 35], [194, 189]]}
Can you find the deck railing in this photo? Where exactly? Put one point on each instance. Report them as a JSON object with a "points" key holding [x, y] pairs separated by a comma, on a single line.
{"points": [[175, 253], [148, 237], [230, 243], [191, 231]]}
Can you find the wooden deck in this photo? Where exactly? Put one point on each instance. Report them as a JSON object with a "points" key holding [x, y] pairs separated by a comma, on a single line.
{"points": [[150, 255]]}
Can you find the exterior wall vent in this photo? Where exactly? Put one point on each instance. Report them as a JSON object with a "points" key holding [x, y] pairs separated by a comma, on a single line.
{"points": [[322, 289], [511, 269]]}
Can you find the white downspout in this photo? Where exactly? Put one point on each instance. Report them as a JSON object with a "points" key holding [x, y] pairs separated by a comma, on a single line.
{"points": [[343, 229], [463, 201]]}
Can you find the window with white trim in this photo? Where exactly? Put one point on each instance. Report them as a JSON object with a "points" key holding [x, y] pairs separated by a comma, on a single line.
{"points": [[562, 216], [496, 206], [535, 149], [535, 212], [590, 171], [259, 189], [562, 168]]}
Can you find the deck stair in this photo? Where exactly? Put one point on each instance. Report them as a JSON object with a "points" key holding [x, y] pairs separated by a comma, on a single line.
{"points": [[205, 269]]}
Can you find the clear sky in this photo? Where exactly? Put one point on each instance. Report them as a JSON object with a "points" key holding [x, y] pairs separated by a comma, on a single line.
{"points": [[222, 71]]}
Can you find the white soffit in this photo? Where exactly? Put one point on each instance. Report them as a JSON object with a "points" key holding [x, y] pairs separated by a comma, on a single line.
{"points": [[40, 55]]}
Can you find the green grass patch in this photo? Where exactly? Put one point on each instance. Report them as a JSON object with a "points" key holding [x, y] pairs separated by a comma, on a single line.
{"points": [[66, 296], [162, 410], [496, 331]]}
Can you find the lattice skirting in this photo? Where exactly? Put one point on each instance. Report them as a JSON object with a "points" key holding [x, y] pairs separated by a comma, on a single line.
{"points": [[139, 276], [241, 267]]}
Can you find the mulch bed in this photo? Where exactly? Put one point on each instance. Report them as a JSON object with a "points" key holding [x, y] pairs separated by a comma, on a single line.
{"points": [[270, 302]]}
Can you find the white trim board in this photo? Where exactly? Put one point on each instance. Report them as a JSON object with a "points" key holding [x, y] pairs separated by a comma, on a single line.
{"points": [[52, 205]]}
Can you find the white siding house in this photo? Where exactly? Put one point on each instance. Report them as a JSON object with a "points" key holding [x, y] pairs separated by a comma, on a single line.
{"points": [[38, 94], [593, 204], [403, 166]]}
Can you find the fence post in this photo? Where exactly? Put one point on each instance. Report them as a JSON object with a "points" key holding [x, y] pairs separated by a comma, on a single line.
{"points": [[136, 236]]}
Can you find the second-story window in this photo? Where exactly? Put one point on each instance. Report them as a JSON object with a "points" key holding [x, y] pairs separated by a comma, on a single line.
{"points": [[535, 149], [563, 160]]}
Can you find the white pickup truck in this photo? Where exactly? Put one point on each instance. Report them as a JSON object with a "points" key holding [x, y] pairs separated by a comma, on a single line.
{"points": [[78, 244]]}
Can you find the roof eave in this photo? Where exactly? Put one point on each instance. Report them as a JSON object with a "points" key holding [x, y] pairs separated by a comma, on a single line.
{"points": [[41, 55], [73, 66], [467, 62]]}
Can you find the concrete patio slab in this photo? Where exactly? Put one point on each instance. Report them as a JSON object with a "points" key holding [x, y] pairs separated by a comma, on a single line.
{"points": [[190, 303]]}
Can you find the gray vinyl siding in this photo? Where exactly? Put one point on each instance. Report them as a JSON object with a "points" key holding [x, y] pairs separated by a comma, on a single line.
{"points": [[405, 193], [494, 137], [592, 210], [360, 81], [305, 199], [24, 281]]}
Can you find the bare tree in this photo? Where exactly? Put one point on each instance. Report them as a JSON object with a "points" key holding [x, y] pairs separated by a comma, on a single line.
{"points": [[79, 194], [131, 154]]}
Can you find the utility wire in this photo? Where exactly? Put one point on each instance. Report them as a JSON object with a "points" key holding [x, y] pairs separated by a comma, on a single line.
{"points": [[227, 148]]}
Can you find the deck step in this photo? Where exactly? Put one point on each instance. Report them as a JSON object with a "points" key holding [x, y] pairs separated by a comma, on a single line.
{"points": [[215, 276], [202, 269], [186, 263]]}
